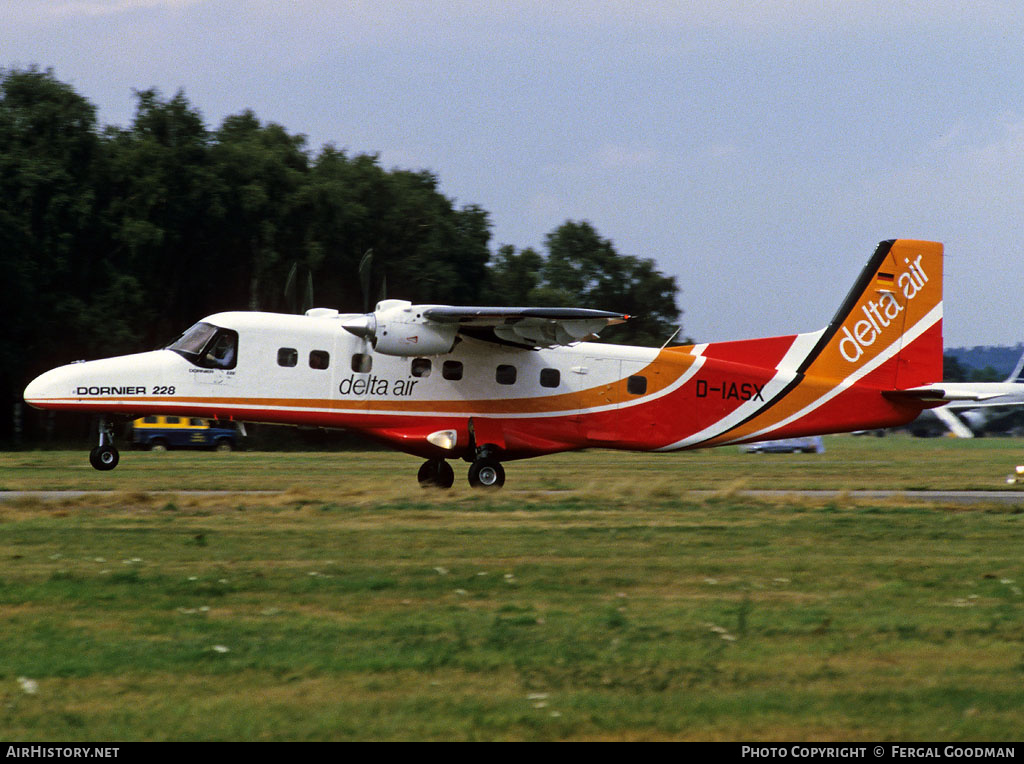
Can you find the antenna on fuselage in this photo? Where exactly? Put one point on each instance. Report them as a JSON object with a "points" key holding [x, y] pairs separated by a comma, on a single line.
{"points": [[678, 329]]}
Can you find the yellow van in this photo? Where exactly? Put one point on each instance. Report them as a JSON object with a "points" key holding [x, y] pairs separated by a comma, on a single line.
{"points": [[159, 433]]}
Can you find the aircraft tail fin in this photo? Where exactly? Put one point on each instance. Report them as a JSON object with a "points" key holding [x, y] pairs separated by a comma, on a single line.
{"points": [[1017, 375], [856, 373], [890, 324]]}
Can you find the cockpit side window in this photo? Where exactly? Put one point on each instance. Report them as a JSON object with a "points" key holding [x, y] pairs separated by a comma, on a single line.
{"points": [[194, 339], [208, 346]]}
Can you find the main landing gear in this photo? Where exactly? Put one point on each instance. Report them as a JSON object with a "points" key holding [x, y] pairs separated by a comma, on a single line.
{"points": [[485, 472], [105, 456]]}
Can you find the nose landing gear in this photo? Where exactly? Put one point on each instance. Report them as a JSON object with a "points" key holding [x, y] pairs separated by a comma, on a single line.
{"points": [[105, 456]]}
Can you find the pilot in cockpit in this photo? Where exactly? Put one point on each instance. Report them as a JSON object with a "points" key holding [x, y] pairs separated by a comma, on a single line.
{"points": [[221, 353]]}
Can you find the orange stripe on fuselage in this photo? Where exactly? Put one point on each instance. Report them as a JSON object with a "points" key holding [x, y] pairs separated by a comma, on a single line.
{"points": [[662, 372]]}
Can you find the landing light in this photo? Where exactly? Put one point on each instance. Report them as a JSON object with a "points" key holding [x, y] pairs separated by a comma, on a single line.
{"points": [[445, 439]]}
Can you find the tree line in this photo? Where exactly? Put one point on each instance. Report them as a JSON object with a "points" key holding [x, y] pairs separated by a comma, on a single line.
{"points": [[115, 239]]}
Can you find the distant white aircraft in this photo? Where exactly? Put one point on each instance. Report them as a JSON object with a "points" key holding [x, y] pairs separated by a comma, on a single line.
{"points": [[972, 405]]}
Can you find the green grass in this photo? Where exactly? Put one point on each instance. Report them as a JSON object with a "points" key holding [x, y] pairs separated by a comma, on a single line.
{"points": [[594, 598], [850, 463]]}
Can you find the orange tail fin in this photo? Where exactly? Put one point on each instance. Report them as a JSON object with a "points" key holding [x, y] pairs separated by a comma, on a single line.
{"points": [[894, 311], [886, 336]]}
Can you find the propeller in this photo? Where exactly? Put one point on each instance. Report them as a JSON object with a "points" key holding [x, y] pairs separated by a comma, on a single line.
{"points": [[365, 326], [365, 270], [395, 327], [296, 302]]}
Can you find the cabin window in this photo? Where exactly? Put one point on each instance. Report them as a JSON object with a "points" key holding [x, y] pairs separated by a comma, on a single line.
{"points": [[505, 374], [420, 367], [150, 420], [636, 385], [287, 357], [452, 370], [319, 359], [362, 363], [550, 378], [197, 422], [172, 420]]}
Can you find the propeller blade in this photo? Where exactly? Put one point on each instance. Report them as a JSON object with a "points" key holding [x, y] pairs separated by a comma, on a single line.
{"points": [[365, 270], [289, 289], [307, 298]]}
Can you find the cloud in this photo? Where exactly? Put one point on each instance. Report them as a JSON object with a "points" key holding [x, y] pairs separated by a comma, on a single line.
{"points": [[412, 19], [785, 17], [71, 9], [974, 172], [612, 156]]}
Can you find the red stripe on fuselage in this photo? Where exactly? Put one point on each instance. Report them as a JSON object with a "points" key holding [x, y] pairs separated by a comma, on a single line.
{"points": [[766, 352]]}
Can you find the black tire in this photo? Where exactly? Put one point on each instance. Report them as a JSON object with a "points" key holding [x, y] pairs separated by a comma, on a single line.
{"points": [[104, 458], [224, 445], [486, 473], [436, 473], [158, 444]]}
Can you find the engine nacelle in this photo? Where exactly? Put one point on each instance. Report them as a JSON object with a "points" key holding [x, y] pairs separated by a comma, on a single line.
{"points": [[414, 338], [399, 328]]}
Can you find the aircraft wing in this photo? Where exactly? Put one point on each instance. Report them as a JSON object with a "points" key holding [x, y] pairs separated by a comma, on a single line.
{"points": [[525, 327]]}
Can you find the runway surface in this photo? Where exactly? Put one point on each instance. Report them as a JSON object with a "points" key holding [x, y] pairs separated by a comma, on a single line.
{"points": [[933, 497], [1009, 498]]}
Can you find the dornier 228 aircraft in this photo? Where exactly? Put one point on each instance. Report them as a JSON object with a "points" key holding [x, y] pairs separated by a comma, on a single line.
{"points": [[490, 385]]}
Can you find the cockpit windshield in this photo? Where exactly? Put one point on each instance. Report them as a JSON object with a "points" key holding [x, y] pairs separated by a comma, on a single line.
{"points": [[208, 346]]}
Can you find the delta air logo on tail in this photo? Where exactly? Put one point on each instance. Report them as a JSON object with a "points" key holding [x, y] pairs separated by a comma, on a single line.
{"points": [[879, 315], [890, 325]]}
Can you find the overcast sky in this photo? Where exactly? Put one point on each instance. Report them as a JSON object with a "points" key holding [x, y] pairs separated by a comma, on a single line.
{"points": [[758, 151]]}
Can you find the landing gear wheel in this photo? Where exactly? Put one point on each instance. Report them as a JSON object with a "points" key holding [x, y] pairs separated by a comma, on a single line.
{"points": [[436, 473], [486, 473], [104, 457]]}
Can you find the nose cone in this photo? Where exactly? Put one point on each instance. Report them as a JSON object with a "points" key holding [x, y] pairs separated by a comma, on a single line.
{"points": [[50, 387], [100, 385]]}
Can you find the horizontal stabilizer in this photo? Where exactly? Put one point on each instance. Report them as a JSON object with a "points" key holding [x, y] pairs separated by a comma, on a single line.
{"points": [[940, 394], [951, 392]]}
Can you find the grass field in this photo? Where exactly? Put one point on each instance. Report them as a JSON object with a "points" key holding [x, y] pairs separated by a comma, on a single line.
{"points": [[594, 597]]}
